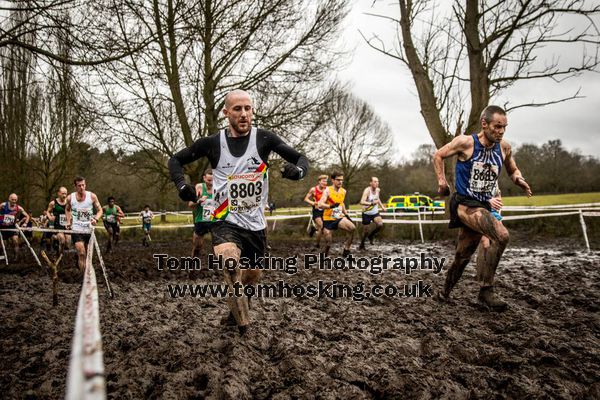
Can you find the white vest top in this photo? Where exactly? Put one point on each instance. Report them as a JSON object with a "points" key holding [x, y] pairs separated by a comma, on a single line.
{"points": [[374, 209], [82, 212], [147, 216], [241, 186]]}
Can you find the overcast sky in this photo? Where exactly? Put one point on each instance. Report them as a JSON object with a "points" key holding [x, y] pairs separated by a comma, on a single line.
{"points": [[386, 84]]}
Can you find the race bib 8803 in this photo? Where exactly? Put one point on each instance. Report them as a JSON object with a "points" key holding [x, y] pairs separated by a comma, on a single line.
{"points": [[244, 192]]}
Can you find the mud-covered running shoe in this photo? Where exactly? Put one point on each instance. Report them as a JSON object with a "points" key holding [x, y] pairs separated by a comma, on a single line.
{"points": [[443, 297], [229, 320], [488, 300]]}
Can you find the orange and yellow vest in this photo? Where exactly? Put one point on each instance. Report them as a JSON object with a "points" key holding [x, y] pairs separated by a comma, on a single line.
{"points": [[331, 214]]}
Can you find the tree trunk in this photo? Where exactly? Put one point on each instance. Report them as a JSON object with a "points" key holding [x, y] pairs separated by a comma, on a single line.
{"points": [[427, 100], [479, 80]]}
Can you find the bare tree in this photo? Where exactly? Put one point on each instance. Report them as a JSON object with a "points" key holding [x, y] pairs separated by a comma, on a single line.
{"points": [[17, 75], [356, 137], [501, 42], [90, 37], [40, 112], [57, 120], [171, 93]]}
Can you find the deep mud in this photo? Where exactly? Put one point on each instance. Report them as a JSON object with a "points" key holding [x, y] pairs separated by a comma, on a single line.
{"points": [[546, 345]]}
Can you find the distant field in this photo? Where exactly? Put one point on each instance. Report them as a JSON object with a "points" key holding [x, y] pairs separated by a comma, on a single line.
{"points": [[542, 200], [552, 199]]}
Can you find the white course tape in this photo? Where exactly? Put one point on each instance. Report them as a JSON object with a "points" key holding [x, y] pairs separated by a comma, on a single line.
{"points": [[355, 216], [85, 379], [577, 206], [519, 209], [392, 221], [531, 216], [48, 230]]}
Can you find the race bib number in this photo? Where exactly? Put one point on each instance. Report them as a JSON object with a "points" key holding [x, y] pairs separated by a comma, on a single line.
{"points": [[244, 192], [111, 219], [337, 213], [483, 177], [8, 219], [207, 210], [147, 220], [62, 220], [83, 215]]}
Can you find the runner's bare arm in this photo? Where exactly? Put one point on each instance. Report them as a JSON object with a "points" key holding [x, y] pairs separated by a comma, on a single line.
{"points": [[458, 145], [48, 211], [379, 200], [68, 213], [120, 212], [24, 221], [98, 207], [513, 171], [323, 202], [344, 210], [309, 195], [363, 199]]}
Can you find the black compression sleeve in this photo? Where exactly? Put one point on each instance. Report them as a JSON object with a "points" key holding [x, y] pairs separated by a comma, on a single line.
{"points": [[272, 142], [200, 148]]}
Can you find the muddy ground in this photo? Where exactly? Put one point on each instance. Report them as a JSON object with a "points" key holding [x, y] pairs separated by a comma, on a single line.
{"points": [[546, 345]]}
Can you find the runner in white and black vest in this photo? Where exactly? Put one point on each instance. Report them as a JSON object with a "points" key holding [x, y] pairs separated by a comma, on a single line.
{"points": [[239, 157], [83, 213], [371, 219]]}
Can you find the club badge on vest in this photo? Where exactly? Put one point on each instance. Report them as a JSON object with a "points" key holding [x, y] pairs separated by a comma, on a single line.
{"points": [[252, 163]]}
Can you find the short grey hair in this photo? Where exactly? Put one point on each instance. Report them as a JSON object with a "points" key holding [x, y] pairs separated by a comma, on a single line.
{"points": [[489, 112]]}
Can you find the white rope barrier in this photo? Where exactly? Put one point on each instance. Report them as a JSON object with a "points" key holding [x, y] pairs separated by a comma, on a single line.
{"points": [[587, 210], [5, 256], [35, 229], [414, 209], [591, 214], [110, 293], [558, 206], [548, 208], [584, 229], [29, 246], [85, 379]]}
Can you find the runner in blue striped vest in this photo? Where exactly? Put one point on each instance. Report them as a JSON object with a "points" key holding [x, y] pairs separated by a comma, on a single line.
{"points": [[480, 160]]}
